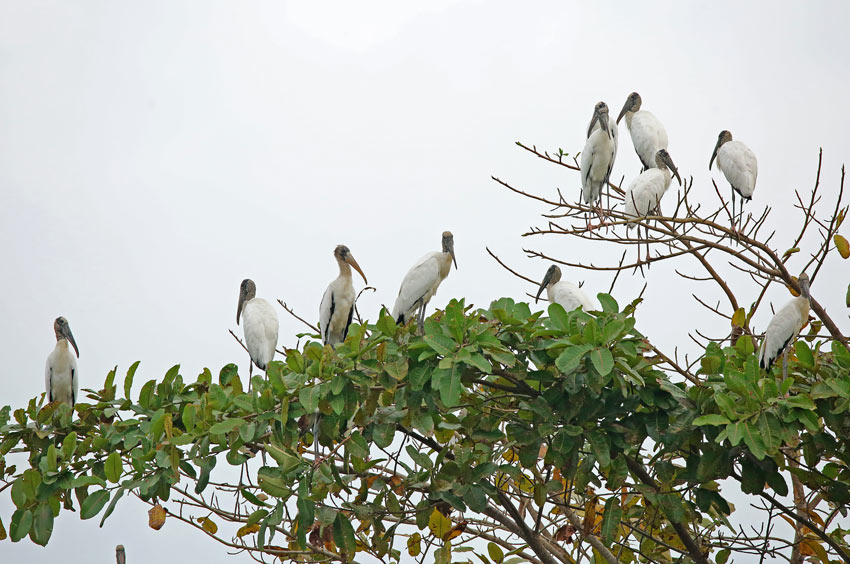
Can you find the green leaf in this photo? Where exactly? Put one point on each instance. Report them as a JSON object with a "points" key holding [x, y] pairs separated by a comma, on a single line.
{"points": [[753, 440], [609, 304], [112, 467], [20, 524], [558, 317], [223, 427], [93, 504], [671, 506], [344, 534], [722, 556], [69, 444], [804, 354], [309, 398], [441, 344], [419, 458], [119, 493], [570, 359], [128, 379], [611, 519], [770, 430], [713, 419], [52, 464], [270, 482], [447, 381], [495, 552], [842, 355], [600, 447], [602, 360]]}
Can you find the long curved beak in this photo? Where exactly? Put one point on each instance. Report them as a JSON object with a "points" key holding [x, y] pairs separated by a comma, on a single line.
{"points": [[626, 107], [713, 154], [452, 252], [669, 162], [350, 260], [239, 307], [593, 121], [546, 280], [68, 335]]}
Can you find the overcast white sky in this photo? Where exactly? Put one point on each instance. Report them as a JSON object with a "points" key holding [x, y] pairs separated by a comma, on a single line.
{"points": [[154, 154]]}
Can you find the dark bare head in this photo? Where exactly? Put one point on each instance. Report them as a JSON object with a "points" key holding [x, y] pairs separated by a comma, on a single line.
{"points": [[632, 104], [664, 162], [343, 255], [724, 137], [63, 331], [247, 292], [449, 245], [553, 275], [600, 114]]}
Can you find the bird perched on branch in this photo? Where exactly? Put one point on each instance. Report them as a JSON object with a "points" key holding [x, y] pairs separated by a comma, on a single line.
{"points": [[337, 305], [784, 328], [562, 292], [738, 164], [60, 374], [597, 158], [421, 283], [648, 135], [259, 325], [645, 192]]}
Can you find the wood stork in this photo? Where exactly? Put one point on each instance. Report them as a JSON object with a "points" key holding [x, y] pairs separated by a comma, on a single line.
{"points": [[739, 166], [648, 135], [597, 158], [784, 328], [421, 282], [562, 292], [60, 375], [645, 192], [120, 556], [337, 306], [259, 325]]}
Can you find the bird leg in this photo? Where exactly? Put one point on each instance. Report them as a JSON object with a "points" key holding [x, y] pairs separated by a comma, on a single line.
{"points": [[785, 363], [250, 372], [421, 318]]}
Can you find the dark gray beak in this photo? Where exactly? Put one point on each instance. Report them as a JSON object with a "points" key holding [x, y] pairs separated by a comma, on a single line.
{"points": [[714, 154], [546, 280], [66, 331]]}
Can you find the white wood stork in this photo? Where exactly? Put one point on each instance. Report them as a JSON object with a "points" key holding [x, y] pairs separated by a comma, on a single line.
{"points": [[421, 282], [648, 135], [784, 328], [60, 375], [645, 192], [259, 325], [597, 158], [738, 164], [562, 292], [337, 306]]}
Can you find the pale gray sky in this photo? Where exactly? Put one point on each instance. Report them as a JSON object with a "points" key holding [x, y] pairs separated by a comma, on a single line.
{"points": [[152, 155]]}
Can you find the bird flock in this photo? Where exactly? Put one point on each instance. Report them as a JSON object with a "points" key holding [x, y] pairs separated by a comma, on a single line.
{"points": [[259, 319]]}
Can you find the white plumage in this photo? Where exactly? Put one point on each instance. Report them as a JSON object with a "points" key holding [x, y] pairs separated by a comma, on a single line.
{"points": [[597, 158], [567, 294], [337, 306], [421, 282], [645, 192], [259, 325], [738, 164], [61, 380], [647, 132], [785, 327]]}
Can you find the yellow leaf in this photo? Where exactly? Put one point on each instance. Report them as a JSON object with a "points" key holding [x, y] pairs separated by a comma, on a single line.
{"points": [[842, 245], [208, 525], [794, 292], [790, 252], [247, 530], [739, 317], [456, 531], [812, 547], [414, 544], [509, 455], [168, 425], [156, 517], [439, 524], [2, 531]]}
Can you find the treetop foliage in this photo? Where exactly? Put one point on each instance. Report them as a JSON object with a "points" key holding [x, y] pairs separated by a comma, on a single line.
{"points": [[551, 438]]}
